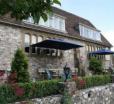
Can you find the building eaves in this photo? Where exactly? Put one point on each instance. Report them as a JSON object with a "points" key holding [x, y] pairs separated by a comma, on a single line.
{"points": [[72, 21]]}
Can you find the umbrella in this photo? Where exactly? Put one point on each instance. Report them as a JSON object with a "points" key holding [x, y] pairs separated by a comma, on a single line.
{"points": [[57, 44], [102, 52]]}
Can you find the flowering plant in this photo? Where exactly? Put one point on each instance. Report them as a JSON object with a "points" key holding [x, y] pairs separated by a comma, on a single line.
{"points": [[80, 83], [12, 80], [2, 72]]}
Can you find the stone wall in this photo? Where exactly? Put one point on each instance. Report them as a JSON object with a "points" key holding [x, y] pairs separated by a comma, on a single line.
{"points": [[56, 99], [39, 64], [96, 95], [9, 41]]}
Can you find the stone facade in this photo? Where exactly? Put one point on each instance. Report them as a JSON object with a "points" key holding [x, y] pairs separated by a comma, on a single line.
{"points": [[13, 37], [10, 39], [113, 60]]}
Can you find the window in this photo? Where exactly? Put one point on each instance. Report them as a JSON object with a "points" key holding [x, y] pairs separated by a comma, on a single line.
{"points": [[92, 48], [89, 33], [51, 21], [54, 22], [62, 24], [30, 20], [39, 50], [34, 39], [40, 38], [27, 42], [95, 48], [87, 48]]}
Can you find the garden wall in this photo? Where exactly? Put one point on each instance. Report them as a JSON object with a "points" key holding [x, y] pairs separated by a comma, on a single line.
{"points": [[56, 99], [96, 95]]}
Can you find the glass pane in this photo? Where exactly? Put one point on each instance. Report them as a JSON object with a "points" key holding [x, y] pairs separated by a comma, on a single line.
{"points": [[33, 39], [27, 40], [57, 23], [51, 21], [41, 22], [30, 20], [40, 38]]}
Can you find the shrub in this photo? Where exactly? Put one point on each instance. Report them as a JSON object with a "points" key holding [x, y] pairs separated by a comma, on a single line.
{"points": [[20, 66], [29, 90], [95, 66], [67, 98], [91, 81], [80, 82], [96, 80]]}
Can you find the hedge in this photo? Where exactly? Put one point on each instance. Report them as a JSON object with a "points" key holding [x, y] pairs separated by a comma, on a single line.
{"points": [[96, 80], [31, 90]]}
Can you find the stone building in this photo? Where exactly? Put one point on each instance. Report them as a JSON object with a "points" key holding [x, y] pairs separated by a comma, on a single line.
{"points": [[60, 25], [113, 60]]}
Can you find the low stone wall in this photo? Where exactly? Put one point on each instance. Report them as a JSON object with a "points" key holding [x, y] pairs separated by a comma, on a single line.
{"points": [[96, 95], [56, 99]]}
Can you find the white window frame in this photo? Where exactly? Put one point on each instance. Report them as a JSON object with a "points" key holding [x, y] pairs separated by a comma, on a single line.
{"points": [[51, 23], [90, 33]]}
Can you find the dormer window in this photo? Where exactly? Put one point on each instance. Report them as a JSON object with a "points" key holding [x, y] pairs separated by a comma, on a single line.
{"points": [[54, 22], [90, 33]]}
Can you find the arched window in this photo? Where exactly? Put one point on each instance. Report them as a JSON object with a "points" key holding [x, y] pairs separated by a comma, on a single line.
{"points": [[39, 50], [87, 48], [40, 38], [27, 42], [34, 39]]}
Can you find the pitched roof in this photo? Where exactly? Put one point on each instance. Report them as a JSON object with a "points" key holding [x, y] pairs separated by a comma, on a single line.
{"points": [[73, 20], [71, 24]]}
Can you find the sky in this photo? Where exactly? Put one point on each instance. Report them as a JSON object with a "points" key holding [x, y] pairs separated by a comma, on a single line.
{"points": [[99, 12]]}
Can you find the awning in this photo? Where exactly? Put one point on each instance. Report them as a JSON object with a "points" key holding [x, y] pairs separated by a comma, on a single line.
{"points": [[102, 52], [57, 44]]}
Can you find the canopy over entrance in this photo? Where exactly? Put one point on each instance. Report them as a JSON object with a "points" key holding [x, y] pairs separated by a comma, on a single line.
{"points": [[102, 52], [57, 44]]}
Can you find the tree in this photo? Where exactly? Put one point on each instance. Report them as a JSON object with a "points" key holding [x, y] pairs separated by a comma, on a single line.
{"points": [[95, 66], [20, 66], [22, 9]]}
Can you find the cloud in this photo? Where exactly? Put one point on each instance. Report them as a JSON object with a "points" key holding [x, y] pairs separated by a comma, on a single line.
{"points": [[109, 36]]}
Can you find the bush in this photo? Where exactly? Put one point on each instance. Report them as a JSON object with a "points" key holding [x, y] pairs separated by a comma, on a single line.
{"points": [[31, 90], [91, 81], [67, 98], [95, 66], [96, 80], [20, 66]]}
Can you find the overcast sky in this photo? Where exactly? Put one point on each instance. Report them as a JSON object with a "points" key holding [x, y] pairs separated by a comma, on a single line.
{"points": [[99, 12]]}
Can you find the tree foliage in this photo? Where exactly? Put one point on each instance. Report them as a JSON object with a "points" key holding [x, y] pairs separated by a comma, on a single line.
{"points": [[20, 66], [95, 66], [22, 9]]}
